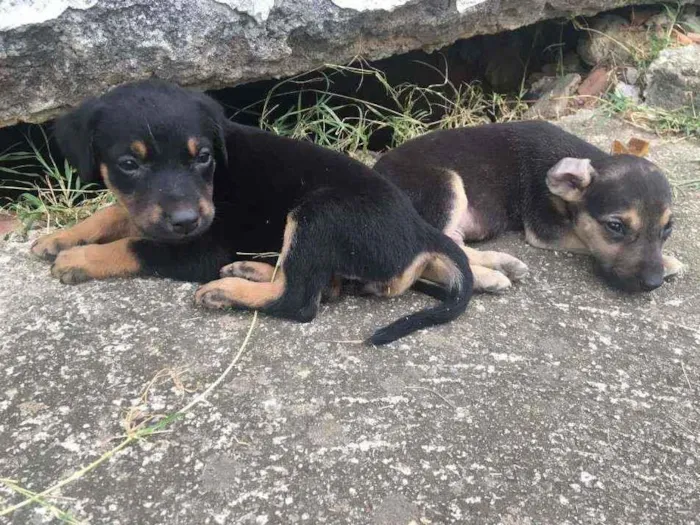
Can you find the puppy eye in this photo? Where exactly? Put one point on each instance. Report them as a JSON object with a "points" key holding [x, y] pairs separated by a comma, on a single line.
{"points": [[615, 227], [128, 165], [203, 157], [666, 232]]}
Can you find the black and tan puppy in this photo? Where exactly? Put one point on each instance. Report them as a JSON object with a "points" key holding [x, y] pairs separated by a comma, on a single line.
{"points": [[474, 183], [193, 189]]}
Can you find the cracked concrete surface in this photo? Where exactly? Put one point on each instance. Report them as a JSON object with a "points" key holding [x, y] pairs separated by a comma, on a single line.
{"points": [[560, 401]]}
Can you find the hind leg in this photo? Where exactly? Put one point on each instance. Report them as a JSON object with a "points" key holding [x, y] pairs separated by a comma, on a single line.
{"points": [[493, 271], [261, 272], [255, 271], [506, 264], [485, 279], [247, 285], [291, 294], [402, 282]]}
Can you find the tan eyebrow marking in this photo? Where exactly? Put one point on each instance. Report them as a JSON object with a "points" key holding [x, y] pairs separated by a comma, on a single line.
{"points": [[632, 218], [139, 148], [192, 144], [665, 217]]}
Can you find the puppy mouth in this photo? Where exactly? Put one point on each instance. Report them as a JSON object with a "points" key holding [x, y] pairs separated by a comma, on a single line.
{"points": [[162, 231], [629, 284]]}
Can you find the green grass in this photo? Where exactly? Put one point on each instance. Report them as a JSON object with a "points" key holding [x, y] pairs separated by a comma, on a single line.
{"points": [[52, 195], [345, 123], [59, 514], [655, 42], [684, 122]]}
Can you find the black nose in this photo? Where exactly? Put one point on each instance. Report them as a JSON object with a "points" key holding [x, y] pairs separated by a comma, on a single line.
{"points": [[652, 282], [184, 221]]}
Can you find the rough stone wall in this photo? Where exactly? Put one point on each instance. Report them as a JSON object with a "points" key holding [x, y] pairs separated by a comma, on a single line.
{"points": [[54, 53]]}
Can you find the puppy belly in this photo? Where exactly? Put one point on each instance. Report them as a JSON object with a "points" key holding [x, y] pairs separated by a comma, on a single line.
{"points": [[470, 226], [464, 222]]}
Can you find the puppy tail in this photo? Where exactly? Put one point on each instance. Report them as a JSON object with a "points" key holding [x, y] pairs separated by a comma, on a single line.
{"points": [[454, 297]]}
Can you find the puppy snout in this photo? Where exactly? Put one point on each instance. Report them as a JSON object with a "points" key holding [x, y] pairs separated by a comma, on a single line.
{"points": [[184, 220], [652, 281]]}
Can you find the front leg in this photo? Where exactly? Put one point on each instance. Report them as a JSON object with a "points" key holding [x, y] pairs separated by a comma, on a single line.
{"points": [[195, 261], [97, 261], [672, 266], [104, 226], [569, 242]]}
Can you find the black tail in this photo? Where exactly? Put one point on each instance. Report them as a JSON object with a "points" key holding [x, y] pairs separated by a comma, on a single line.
{"points": [[431, 289], [454, 300]]}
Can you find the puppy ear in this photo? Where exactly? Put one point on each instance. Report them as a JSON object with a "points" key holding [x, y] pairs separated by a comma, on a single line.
{"points": [[74, 134], [635, 146], [618, 148], [570, 178], [216, 121], [638, 147]]}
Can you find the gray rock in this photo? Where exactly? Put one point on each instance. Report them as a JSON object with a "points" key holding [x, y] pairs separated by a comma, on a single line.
{"points": [[555, 97], [674, 78], [541, 84], [612, 41], [629, 91], [55, 53], [690, 19], [631, 75]]}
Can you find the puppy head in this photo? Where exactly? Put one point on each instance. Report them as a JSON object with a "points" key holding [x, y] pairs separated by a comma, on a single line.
{"points": [[621, 210], [155, 145]]}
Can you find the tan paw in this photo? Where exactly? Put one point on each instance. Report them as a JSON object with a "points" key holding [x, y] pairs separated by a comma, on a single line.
{"points": [[489, 281], [250, 270], [48, 246], [216, 295], [672, 266], [72, 265], [511, 266]]}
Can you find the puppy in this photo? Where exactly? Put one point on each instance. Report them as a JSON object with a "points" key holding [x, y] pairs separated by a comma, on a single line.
{"points": [[474, 183], [194, 189]]}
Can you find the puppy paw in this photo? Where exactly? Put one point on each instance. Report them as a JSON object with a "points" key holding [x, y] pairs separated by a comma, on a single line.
{"points": [[672, 266], [489, 281], [71, 266], [250, 270], [234, 292], [514, 268], [215, 295], [48, 247], [332, 293]]}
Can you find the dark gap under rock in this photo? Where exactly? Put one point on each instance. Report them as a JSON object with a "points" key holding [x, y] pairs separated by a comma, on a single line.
{"points": [[514, 64]]}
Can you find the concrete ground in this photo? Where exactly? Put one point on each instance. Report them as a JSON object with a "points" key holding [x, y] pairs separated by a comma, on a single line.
{"points": [[560, 401]]}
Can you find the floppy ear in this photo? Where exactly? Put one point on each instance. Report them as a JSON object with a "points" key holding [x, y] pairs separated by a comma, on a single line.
{"points": [[216, 121], [570, 178], [74, 134]]}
